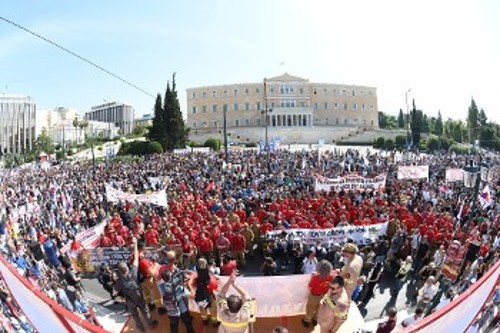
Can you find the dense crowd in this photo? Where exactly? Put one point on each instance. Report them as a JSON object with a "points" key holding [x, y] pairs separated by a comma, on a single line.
{"points": [[221, 210]]}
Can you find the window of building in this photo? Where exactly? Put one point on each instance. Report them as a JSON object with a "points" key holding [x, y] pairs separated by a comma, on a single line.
{"points": [[325, 91], [315, 106], [246, 91], [345, 121], [361, 92], [247, 106], [237, 122], [194, 124], [336, 121], [193, 109], [204, 108], [343, 91], [204, 124], [302, 104], [236, 106], [326, 121], [235, 92], [301, 90], [335, 105], [224, 108], [258, 121], [193, 95], [204, 94], [257, 106], [363, 106], [215, 123], [272, 90], [354, 93], [214, 93], [355, 106], [214, 108], [325, 106], [370, 93], [257, 90], [225, 93], [272, 105], [371, 107], [345, 106], [247, 122], [364, 121]]}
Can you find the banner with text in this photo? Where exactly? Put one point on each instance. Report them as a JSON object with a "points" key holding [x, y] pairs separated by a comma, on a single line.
{"points": [[413, 172], [88, 238], [349, 183], [454, 175], [158, 198], [360, 234]]}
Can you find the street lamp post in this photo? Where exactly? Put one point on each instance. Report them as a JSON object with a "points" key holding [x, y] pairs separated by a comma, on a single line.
{"points": [[407, 119], [224, 112], [266, 112], [473, 175]]}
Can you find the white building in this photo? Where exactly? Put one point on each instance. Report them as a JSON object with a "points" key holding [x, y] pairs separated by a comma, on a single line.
{"points": [[17, 123], [122, 115]]}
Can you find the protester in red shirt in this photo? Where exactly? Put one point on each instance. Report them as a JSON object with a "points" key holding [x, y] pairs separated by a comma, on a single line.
{"points": [[238, 245], [319, 283], [228, 265]]}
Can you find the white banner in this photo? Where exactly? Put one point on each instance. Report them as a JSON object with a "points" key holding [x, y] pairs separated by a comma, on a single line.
{"points": [[413, 172], [157, 198], [46, 315], [454, 175], [360, 234], [349, 183], [88, 238], [276, 297]]}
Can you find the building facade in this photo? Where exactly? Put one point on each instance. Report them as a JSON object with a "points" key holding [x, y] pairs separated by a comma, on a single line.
{"points": [[292, 103], [122, 115], [17, 124]]}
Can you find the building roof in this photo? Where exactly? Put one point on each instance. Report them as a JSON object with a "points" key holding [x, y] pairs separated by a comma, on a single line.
{"points": [[287, 77]]}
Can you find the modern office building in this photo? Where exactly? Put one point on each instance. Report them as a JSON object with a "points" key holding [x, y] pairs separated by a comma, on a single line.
{"points": [[122, 115], [297, 110], [17, 123]]}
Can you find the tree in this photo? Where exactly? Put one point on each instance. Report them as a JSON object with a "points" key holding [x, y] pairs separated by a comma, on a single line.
{"points": [[482, 119], [425, 124], [416, 124], [44, 143], [438, 125], [140, 130], [401, 119], [472, 121], [158, 131], [177, 131]]}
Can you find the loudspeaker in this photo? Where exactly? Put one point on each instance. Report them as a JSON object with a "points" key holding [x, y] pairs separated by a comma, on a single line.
{"points": [[472, 251]]}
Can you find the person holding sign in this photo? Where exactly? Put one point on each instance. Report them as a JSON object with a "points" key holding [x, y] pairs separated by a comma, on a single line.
{"points": [[234, 311]]}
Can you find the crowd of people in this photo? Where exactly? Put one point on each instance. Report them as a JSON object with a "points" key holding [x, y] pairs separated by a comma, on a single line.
{"points": [[221, 209]]}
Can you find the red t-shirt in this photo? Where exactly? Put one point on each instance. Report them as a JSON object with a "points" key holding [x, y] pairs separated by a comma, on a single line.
{"points": [[319, 286], [228, 268]]}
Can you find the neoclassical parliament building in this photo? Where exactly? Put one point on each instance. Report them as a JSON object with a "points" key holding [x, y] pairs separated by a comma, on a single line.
{"points": [[293, 109]]}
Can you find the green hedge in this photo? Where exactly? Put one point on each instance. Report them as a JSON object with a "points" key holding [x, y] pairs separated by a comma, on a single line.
{"points": [[140, 148]]}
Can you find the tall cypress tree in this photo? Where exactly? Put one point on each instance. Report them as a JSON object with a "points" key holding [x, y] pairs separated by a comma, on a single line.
{"points": [[158, 131], [416, 124], [472, 121], [401, 119], [177, 131], [438, 126]]}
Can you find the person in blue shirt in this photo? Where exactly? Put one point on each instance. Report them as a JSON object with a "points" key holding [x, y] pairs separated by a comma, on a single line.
{"points": [[51, 252], [175, 298]]}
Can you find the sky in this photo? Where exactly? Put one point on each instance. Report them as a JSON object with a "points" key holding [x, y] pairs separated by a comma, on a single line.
{"points": [[443, 52]]}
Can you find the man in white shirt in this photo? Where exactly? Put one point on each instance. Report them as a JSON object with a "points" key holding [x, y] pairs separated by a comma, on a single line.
{"points": [[414, 318], [310, 263]]}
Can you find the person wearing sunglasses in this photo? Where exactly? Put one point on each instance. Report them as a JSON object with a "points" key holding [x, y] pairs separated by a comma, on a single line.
{"points": [[334, 306]]}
